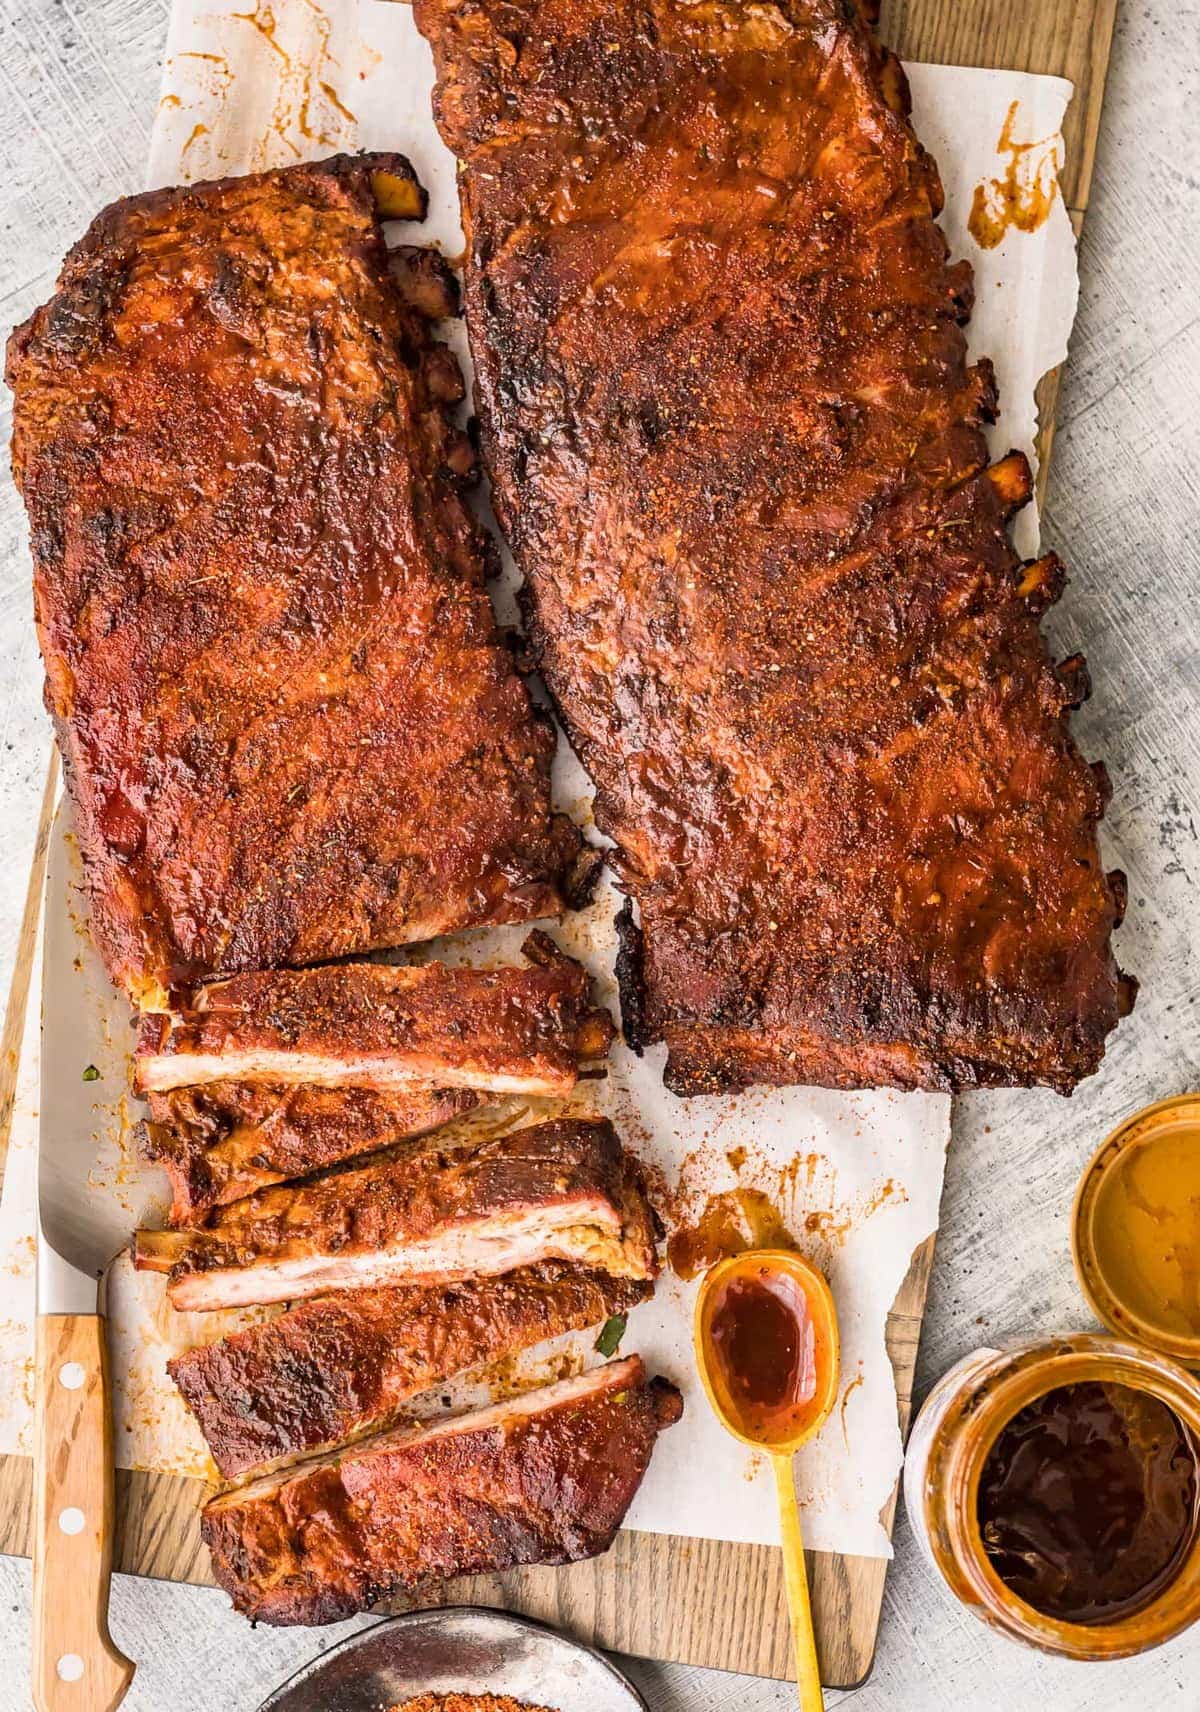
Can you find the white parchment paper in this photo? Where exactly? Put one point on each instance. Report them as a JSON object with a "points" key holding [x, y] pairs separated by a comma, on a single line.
{"points": [[856, 1178]]}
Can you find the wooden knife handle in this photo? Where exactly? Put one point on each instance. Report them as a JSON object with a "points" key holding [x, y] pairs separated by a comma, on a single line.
{"points": [[76, 1667]]}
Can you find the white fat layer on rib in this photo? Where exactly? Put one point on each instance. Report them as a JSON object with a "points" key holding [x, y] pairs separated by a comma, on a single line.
{"points": [[161, 1071], [589, 1232], [616, 1375]]}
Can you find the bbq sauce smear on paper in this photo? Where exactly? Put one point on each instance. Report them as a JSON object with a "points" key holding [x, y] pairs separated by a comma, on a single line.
{"points": [[1025, 194], [730, 1224], [763, 1337], [1088, 1502]]}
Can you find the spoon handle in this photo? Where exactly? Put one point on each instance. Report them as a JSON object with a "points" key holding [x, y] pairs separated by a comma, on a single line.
{"points": [[808, 1676]]}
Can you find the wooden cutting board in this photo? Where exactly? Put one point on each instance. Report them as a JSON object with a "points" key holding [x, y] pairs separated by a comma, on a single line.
{"points": [[702, 1602]]}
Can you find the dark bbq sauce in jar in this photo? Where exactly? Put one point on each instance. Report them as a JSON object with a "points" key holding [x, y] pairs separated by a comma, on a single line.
{"points": [[1088, 1501]]}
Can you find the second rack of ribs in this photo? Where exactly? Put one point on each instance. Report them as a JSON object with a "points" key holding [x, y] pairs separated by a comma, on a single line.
{"points": [[737, 448]]}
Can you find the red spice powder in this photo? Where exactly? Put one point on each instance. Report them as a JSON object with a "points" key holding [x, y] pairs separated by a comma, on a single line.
{"points": [[467, 1703]]}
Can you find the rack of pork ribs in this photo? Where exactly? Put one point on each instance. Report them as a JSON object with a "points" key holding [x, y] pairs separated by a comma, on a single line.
{"points": [[292, 730], [737, 450], [293, 734]]}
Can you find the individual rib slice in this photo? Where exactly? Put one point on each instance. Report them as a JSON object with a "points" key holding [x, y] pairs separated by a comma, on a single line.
{"points": [[227, 1139], [554, 1191], [545, 1478], [737, 450], [341, 1366], [291, 727], [370, 1025]]}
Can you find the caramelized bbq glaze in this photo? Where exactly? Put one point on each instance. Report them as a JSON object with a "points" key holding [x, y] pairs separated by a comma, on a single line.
{"points": [[544, 1479], [737, 448], [420, 1214], [380, 1026], [227, 1139], [290, 725], [343, 1365], [279, 1073]]}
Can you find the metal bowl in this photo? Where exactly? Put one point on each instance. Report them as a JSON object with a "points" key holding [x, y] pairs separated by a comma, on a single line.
{"points": [[463, 1649]]}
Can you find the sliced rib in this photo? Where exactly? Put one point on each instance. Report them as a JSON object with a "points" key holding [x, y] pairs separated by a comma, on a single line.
{"points": [[545, 1478], [290, 725], [341, 1366], [228, 1139], [737, 448], [555, 1191], [370, 1025]]}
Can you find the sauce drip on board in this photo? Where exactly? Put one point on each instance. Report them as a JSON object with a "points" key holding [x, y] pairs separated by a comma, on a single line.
{"points": [[765, 1347], [1088, 1501]]}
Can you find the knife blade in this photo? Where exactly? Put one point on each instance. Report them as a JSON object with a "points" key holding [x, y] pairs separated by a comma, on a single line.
{"points": [[86, 1215]]}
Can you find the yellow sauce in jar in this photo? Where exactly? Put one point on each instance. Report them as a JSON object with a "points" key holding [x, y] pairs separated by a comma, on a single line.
{"points": [[1136, 1232]]}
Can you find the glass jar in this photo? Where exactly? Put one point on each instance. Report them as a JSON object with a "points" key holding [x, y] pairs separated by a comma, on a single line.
{"points": [[950, 1442]]}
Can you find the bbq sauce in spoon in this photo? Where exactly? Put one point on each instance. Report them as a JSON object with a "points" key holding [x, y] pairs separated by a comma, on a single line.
{"points": [[1088, 1501], [766, 1337], [762, 1334]]}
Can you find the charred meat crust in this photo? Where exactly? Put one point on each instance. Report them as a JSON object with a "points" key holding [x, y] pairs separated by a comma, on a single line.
{"points": [[631, 985], [344, 1365], [289, 724], [226, 1140], [737, 449], [426, 280], [516, 1485], [559, 1190], [711, 1061]]}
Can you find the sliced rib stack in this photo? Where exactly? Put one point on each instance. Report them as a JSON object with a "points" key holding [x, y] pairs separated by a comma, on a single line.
{"points": [[409, 1259], [502, 1244], [274, 1075]]}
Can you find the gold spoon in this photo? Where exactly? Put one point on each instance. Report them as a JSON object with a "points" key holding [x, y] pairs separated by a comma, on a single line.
{"points": [[766, 1339]]}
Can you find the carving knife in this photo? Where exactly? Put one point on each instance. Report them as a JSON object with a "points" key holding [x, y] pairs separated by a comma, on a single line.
{"points": [[85, 1218]]}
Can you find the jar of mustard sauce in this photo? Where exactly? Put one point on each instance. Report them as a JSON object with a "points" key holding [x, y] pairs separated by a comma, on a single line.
{"points": [[1023, 1467], [1135, 1229]]}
